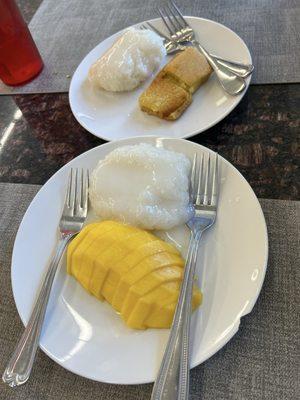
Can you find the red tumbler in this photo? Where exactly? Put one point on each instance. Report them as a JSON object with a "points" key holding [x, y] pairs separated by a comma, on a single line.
{"points": [[20, 60]]}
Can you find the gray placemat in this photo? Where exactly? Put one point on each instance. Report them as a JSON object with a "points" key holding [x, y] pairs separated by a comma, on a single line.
{"points": [[65, 31], [260, 362]]}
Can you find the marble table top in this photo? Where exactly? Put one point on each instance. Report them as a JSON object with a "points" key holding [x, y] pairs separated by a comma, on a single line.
{"points": [[260, 137]]}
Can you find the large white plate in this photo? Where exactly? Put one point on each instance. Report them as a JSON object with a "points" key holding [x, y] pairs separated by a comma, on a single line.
{"points": [[114, 116], [87, 336]]}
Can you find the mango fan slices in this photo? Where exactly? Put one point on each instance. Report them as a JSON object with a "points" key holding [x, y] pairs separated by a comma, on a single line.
{"points": [[133, 270]]}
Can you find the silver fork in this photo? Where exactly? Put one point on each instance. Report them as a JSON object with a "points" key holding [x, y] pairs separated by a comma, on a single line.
{"points": [[73, 216], [173, 46], [172, 382], [182, 32]]}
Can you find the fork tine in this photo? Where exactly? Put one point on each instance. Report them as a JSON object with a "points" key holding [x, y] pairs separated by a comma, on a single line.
{"points": [[179, 13], [200, 180], [214, 190], [85, 187], [168, 16], [178, 24], [80, 184], [194, 178], [80, 188], [157, 31], [165, 22], [75, 191], [206, 188], [68, 194]]}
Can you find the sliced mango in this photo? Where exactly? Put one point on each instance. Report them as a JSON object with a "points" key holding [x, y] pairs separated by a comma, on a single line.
{"points": [[156, 309], [97, 264], [117, 265], [146, 266], [148, 283], [139, 255], [73, 245], [83, 249], [162, 316], [153, 302], [136, 272]]}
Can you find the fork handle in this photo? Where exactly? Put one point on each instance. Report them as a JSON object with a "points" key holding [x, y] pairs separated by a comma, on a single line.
{"points": [[20, 364], [232, 83], [239, 69], [172, 382]]}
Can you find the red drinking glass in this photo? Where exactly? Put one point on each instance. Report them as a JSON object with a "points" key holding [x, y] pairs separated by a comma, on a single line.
{"points": [[20, 60]]}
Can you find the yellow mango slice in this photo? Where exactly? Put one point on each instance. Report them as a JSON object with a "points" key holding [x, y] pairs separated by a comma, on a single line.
{"points": [[139, 255], [157, 308], [118, 267], [163, 317], [148, 283], [146, 266], [73, 245], [82, 256], [152, 302], [136, 272], [104, 260], [86, 238], [96, 253], [113, 255]]}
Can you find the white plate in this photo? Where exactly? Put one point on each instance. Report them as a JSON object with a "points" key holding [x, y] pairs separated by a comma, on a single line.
{"points": [[114, 116], [86, 336]]}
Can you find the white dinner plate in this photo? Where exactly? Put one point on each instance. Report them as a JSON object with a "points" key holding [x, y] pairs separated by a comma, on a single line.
{"points": [[86, 336], [112, 116]]}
